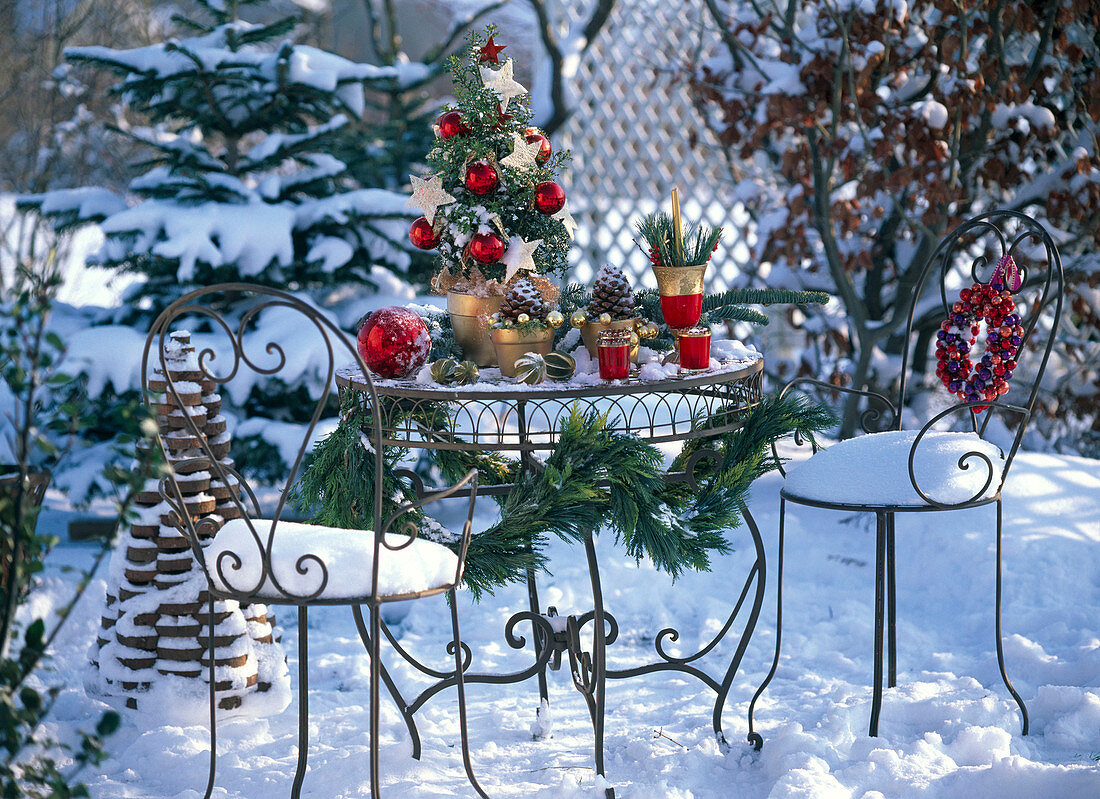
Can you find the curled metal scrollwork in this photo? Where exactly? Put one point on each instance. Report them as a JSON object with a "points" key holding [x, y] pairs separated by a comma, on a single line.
{"points": [[992, 472], [871, 415]]}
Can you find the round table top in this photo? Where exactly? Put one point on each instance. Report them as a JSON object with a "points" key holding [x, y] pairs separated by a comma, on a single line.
{"points": [[497, 413]]}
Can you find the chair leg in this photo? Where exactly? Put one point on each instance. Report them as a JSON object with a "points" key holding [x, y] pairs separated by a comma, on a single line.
{"points": [[754, 737], [891, 606], [213, 700], [880, 590], [460, 683], [375, 700], [303, 703], [1000, 645]]}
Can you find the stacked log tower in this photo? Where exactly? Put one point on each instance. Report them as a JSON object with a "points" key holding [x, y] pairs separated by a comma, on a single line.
{"points": [[155, 627]]}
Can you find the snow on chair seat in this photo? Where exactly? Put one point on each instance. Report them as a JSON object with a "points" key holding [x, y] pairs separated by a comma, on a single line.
{"points": [[348, 556], [873, 470]]}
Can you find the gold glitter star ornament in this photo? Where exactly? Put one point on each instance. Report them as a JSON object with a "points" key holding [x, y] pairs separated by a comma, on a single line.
{"points": [[523, 154], [519, 257], [566, 219], [502, 83], [428, 195]]}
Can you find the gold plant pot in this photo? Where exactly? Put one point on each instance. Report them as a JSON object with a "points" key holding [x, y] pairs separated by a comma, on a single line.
{"points": [[592, 328], [674, 281], [511, 345], [471, 332]]}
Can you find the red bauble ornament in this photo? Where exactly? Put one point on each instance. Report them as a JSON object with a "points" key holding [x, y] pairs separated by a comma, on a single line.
{"points": [[394, 342], [549, 197], [422, 235], [490, 52], [481, 177], [451, 124], [533, 135], [486, 248]]}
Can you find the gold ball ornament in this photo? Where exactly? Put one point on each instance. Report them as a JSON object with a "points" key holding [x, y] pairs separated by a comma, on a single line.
{"points": [[560, 365], [605, 319], [651, 331], [444, 371], [635, 339], [555, 319], [467, 373], [578, 319], [530, 368], [523, 318]]}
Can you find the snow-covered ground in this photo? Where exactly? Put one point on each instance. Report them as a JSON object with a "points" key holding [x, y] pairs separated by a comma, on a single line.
{"points": [[948, 730]]}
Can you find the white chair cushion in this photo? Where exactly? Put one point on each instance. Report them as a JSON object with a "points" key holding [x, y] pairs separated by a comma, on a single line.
{"points": [[347, 554], [874, 470]]}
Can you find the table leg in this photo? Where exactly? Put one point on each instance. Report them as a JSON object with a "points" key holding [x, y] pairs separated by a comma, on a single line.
{"points": [[599, 662], [539, 641]]}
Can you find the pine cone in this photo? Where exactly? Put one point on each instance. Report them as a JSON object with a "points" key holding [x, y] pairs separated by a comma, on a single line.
{"points": [[523, 297], [611, 294]]}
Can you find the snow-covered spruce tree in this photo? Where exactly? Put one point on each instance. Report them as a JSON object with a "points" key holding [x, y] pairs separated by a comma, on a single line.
{"points": [[859, 133], [239, 183]]}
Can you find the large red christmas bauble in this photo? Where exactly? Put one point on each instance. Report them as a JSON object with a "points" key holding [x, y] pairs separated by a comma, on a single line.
{"points": [[486, 248], [422, 235], [394, 342], [549, 197], [451, 124], [533, 135], [481, 177]]}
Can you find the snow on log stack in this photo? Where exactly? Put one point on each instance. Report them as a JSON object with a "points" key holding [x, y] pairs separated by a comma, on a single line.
{"points": [[154, 631]]}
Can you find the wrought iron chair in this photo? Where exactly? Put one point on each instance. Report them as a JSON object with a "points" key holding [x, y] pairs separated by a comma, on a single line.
{"points": [[245, 559], [892, 470]]}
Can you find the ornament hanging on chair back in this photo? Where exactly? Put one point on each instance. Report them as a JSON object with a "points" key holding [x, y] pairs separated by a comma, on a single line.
{"points": [[992, 303], [394, 342]]}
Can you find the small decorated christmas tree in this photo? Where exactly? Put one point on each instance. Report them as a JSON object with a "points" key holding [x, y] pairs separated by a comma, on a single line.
{"points": [[491, 205]]}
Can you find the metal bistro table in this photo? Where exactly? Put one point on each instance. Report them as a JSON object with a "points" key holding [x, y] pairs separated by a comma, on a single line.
{"points": [[497, 414]]}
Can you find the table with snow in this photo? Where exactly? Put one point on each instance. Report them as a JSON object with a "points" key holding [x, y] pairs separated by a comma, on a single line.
{"points": [[497, 414]]}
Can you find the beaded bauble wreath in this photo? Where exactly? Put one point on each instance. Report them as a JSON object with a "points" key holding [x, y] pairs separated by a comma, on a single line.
{"points": [[993, 304]]}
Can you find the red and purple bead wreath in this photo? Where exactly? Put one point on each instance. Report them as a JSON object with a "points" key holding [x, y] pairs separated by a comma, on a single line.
{"points": [[1004, 335]]}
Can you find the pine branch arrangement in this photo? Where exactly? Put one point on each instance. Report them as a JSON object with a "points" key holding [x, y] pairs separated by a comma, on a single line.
{"points": [[700, 241]]}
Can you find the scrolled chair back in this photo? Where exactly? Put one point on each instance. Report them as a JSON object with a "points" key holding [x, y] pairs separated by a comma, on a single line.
{"points": [[969, 254], [234, 343]]}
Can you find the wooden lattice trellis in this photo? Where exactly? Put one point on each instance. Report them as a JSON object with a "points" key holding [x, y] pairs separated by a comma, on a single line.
{"points": [[635, 135]]}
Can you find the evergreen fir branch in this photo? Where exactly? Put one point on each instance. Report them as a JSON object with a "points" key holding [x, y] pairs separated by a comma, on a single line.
{"points": [[763, 297], [700, 240], [268, 32], [734, 313]]}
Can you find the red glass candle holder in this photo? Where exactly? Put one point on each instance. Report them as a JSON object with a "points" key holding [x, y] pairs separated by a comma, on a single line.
{"points": [[682, 310], [695, 349], [613, 354]]}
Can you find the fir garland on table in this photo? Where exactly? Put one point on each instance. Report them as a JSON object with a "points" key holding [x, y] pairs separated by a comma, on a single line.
{"points": [[595, 476]]}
